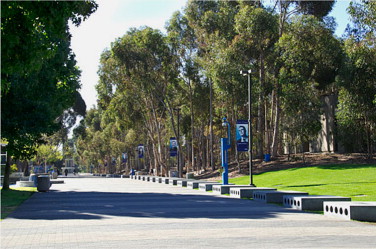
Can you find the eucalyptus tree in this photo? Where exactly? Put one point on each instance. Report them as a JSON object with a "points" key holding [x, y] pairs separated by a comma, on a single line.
{"points": [[182, 39], [39, 76], [357, 96], [138, 80], [286, 10], [259, 29], [310, 59], [91, 148], [219, 60]]}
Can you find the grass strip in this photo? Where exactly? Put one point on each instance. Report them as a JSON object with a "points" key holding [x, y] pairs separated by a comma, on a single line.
{"points": [[12, 198], [349, 180]]}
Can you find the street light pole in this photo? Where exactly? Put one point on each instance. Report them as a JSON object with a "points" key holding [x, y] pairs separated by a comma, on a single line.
{"points": [[211, 126], [250, 163]]}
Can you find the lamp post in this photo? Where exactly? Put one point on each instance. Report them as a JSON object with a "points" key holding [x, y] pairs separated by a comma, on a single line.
{"points": [[211, 126], [178, 138], [248, 73]]}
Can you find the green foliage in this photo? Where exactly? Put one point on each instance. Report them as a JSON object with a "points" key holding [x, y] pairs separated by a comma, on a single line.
{"points": [[259, 27], [357, 107], [47, 154], [37, 41], [13, 168], [309, 50], [31, 33], [363, 15], [310, 58], [294, 57], [134, 102], [317, 8], [38, 70]]}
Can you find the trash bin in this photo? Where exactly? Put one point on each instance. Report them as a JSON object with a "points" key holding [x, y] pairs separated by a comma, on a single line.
{"points": [[267, 157], [43, 183]]}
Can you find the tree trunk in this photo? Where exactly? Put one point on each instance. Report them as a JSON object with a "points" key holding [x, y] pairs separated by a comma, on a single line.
{"points": [[261, 110], [276, 123], [6, 174], [192, 125], [157, 129], [277, 111], [369, 141]]}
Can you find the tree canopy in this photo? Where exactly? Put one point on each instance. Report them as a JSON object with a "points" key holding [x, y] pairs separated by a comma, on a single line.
{"points": [[39, 76], [152, 84], [290, 47]]}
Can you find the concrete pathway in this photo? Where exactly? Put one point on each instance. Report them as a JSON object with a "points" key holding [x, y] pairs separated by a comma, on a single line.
{"points": [[124, 213]]}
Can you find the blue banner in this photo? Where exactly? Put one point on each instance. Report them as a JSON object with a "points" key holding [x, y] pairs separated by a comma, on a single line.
{"points": [[140, 150], [173, 146], [124, 157], [242, 135]]}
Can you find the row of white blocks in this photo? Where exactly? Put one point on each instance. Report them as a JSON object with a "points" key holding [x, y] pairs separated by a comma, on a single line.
{"points": [[334, 206]]}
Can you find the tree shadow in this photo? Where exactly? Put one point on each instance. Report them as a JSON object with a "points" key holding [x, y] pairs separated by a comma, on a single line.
{"points": [[345, 166], [323, 184], [57, 205], [305, 185]]}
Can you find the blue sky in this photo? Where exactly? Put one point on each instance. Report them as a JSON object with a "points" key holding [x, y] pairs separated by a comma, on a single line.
{"points": [[115, 17]]}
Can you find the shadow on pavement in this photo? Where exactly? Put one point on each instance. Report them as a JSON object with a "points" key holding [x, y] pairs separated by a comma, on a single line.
{"points": [[56, 205]]}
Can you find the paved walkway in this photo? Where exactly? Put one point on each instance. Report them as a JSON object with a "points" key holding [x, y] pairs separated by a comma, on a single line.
{"points": [[124, 213]]}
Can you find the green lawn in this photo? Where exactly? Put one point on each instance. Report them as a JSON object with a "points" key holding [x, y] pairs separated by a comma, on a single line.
{"points": [[12, 198], [355, 181]]}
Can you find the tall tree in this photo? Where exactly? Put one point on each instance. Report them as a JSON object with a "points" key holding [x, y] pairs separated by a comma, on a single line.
{"points": [[310, 59], [144, 87], [259, 29], [38, 70], [357, 96], [183, 41]]}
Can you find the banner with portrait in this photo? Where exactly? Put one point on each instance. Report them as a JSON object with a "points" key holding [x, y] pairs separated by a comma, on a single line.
{"points": [[173, 146], [140, 150], [242, 135]]}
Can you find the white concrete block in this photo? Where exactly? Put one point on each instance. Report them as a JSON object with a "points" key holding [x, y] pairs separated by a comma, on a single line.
{"points": [[275, 196], [310, 202], [195, 184], [225, 189], [246, 192], [362, 211], [207, 186]]}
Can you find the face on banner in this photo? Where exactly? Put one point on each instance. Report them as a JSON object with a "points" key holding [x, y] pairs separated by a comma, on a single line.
{"points": [[242, 135], [173, 146], [140, 151]]}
